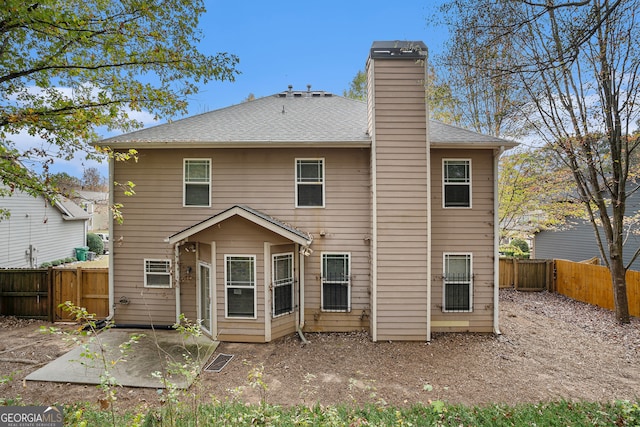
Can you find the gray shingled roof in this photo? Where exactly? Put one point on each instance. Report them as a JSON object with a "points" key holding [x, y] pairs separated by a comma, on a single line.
{"points": [[288, 117], [300, 117]]}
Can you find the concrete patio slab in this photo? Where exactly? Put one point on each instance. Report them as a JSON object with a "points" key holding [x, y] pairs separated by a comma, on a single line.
{"points": [[153, 352]]}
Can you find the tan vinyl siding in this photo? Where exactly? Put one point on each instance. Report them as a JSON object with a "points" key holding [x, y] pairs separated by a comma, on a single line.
{"points": [[463, 230], [322, 321], [237, 236], [263, 179], [283, 325], [401, 188], [188, 283]]}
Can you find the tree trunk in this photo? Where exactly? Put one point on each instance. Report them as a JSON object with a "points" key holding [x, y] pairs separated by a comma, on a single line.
{"points": [[619, 282]]}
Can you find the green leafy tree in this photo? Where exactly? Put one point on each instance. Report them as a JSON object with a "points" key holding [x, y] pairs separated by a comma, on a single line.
{"points": [[442, 103], [535, 191], [65, 183], [487, 98], [69, 68], [357, 87]]}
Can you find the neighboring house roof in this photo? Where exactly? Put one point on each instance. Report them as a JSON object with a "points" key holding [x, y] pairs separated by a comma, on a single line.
{"points": [[257, 217], [287, 118], [70, 210], [93, 196]]}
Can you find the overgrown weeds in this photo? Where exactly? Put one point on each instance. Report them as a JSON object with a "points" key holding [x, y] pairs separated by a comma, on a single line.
{"points": [[563, 413]]}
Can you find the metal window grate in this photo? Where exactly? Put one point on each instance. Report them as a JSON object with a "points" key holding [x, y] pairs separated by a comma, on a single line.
{"points": [[219, 363], [457, 292]]}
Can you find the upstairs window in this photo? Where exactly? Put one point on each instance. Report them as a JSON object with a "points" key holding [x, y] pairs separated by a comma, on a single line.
{"points": [[197, 182], [457, 282], [336, 282], [157, 273], [456, 182], [309, 183]]}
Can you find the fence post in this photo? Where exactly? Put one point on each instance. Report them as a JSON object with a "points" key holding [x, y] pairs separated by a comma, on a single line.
{"points": [[78, 302], [51, 298], [515, 273], [551, 283]]}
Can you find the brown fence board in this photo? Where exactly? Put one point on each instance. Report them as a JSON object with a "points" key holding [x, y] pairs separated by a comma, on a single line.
{"points": [[36, 293], [88, 288], [592, 284], [24, 293], [526, 274]]}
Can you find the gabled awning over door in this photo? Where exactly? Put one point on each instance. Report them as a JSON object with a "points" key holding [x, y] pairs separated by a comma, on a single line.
{"points": [[272, 224]]}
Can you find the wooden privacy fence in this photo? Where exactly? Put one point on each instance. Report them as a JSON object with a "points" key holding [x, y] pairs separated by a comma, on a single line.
{"points": [[37, 293], [526, 274], [592, 284], [25, 293]]}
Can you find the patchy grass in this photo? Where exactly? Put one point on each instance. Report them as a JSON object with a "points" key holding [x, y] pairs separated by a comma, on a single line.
{"points": [[563, 413]]}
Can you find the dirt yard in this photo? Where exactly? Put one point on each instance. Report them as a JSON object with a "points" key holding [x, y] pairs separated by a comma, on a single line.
{"points": [[551, 348]]}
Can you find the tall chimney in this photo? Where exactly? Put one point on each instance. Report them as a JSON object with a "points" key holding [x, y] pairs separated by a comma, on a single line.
{"points": [[398, 118]]}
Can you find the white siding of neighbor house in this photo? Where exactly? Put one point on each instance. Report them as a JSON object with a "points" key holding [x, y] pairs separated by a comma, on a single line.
{"points": [[35, 222], [263, 179], [461, 230], [399, 117]]}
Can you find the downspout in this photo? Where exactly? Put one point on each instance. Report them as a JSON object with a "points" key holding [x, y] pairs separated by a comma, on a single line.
{"points": [[496, 245], [429, 240], [176, 263], [266, 278], [374, 211], [112, 303], [300, 296]]}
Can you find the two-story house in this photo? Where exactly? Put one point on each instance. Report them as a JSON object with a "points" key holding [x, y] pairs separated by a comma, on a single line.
{"points": [[307, 211]]}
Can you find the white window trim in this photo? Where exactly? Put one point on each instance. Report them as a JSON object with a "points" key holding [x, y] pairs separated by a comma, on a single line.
{"points": [[444, 281], [324, 179], [184, 182], [273, 285], [470, 183], [322, 281], [167, 273], [255, 287], [201, 264]]}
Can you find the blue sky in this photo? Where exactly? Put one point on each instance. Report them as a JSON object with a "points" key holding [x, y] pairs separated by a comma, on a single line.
{"points": [[321, 43], [281, 43]]}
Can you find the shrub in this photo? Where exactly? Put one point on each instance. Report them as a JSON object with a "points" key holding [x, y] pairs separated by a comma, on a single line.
{"points": [[46, 265], [56, 263], [68, 260], [95, 243], [520, 244]]}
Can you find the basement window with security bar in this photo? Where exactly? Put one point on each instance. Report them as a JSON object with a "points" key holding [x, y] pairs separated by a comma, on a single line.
{"points": [[336, 282], [458, 283]]}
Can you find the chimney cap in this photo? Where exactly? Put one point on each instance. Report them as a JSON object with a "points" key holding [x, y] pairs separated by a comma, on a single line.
{"points": [[398, 49]]}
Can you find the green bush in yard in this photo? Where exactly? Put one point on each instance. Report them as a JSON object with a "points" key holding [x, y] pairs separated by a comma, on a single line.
{"points": [[520, 244], [95, 243]]}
